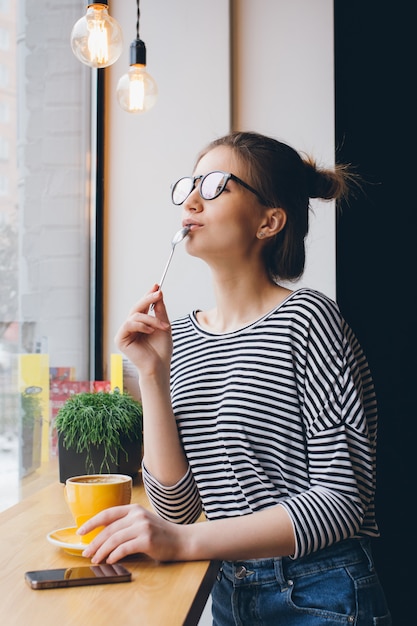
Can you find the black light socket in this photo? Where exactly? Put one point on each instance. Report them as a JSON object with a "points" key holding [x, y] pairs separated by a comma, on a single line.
{"points": [[137, 52]]}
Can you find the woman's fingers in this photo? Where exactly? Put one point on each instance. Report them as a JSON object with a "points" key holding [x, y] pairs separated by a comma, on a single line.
{"points": [[115, 522], [144, 303], [140, 323], [130, 529], [146, 339], [116, 546], [104, 518]]}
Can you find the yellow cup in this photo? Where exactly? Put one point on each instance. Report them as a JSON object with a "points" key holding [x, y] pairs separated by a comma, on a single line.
{"points": [[88, 495]]}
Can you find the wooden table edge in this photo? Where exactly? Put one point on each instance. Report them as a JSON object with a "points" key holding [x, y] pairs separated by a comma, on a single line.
{"points": [[202, 595]]}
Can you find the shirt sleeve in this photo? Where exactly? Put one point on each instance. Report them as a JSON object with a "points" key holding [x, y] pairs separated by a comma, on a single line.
{"points": [[339, 413], [179, 503]]}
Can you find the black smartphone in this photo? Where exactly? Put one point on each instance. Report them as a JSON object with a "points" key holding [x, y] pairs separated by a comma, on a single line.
{"points": [[76, 576]]}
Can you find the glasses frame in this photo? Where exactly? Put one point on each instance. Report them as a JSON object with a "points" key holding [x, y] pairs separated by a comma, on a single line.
{"points": [[227, 176]]}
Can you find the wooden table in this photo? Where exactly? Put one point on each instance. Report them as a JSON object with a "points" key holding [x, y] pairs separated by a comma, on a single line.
{"points": [[160, 593]]}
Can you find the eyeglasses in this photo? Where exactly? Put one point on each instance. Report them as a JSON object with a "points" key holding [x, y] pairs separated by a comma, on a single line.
{"points": [[211, 186]]}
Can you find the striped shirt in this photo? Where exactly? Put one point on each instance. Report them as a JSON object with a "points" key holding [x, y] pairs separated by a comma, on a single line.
{"points": [[282, 411]]}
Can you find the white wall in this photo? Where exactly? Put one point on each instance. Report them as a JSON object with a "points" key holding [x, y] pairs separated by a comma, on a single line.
{"points": [[282, 86], [283, 79], [188, 55]]}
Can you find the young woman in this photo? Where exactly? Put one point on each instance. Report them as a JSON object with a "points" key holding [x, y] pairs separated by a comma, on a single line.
{"points": [[260, 412]]}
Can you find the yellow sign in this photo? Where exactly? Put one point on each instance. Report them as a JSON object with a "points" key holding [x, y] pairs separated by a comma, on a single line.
{"points": [[116, 372]]}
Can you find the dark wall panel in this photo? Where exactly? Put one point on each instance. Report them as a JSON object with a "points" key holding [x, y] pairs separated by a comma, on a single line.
{"points": [[376, 108]]}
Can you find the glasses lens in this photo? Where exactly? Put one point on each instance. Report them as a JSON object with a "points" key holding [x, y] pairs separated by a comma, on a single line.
{"points": [[212, 185], [181, 190]]}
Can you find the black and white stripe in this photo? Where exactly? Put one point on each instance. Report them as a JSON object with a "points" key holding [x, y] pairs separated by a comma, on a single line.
{"points": [[281, 411]]}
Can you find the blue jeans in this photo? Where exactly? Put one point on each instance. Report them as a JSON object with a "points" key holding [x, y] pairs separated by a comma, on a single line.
{"points": [[335, 586]]}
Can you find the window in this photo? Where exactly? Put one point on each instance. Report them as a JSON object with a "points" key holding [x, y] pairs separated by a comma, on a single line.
{"points": [[44, 229], [4, 149], [4, 76], [4, 185], [4, 112], [4, 39], [5, 6]]}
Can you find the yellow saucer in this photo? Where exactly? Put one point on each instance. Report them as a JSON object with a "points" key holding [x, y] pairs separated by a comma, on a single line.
{"points": [[68, 540]]}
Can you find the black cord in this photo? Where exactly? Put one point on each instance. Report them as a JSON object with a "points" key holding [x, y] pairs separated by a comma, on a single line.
{"points": [[137, 20]]}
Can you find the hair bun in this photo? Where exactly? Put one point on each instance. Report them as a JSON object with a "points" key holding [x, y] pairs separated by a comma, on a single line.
{"points": [[323, 183]]}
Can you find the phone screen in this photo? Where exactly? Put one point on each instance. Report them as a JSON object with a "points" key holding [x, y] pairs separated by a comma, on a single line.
{"points": [[76, 576]]}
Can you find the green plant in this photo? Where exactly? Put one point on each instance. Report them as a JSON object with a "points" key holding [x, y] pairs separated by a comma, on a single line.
{"points": [[99, 419]]}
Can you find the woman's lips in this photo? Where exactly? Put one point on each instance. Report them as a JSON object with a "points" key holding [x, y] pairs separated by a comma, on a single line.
{"points": [[192, 225]]}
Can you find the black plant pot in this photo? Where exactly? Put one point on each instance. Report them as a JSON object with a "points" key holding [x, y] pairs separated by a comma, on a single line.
{"points": [[73, 463]]}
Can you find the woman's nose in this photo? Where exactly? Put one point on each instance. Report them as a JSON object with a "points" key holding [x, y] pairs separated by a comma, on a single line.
{"points": [[193, 202]]}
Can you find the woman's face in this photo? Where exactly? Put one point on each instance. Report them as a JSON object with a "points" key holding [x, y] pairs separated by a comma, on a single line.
{"points": [[225, 227]]}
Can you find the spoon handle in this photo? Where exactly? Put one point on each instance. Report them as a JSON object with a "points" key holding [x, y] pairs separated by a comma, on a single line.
{"points": [[179, 236], [164, 273]]}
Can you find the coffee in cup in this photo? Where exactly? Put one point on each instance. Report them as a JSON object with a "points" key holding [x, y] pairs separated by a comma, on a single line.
{"points": [[87, 495]]}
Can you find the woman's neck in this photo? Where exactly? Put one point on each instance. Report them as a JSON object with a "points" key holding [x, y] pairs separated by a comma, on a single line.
{"points": [[240, 300]]}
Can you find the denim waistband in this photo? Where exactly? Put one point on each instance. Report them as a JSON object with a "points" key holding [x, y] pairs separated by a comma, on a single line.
{"points": [[281, 569]]}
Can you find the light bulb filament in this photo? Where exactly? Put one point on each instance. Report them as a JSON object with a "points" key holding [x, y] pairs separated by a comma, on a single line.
{"points": [[136, 93], [97, 41]]}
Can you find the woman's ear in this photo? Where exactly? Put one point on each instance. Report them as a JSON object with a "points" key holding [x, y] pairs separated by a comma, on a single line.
{"points": [[273, 222]]}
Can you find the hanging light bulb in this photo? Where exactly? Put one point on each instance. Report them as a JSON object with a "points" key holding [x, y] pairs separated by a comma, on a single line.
{"points": [[97, 39], [136, 90]]}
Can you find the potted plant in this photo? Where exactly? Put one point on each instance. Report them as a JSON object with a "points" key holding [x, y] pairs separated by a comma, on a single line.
{"points": [[99, 432]]}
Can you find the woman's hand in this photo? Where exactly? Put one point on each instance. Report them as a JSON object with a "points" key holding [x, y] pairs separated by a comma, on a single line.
{"points": [[131, 529], [146, 339]]}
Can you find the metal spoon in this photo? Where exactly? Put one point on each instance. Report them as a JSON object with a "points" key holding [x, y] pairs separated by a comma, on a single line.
{"points": [[179, 236]]}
